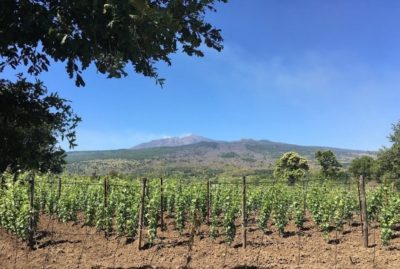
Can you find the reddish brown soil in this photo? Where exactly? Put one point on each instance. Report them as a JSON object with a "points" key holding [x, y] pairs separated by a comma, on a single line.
{"points": [[72, 246]]}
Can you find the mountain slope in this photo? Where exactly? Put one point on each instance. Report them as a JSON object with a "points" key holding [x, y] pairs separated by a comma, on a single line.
{"points": [[173, 141], [243, 154]]}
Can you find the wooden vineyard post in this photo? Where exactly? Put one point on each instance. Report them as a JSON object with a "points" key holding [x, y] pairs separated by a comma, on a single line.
{"points": [[304, 196], [59, 188], [141, 212], [363, 202], [359, 201], [244, 217], [105, 192], [208, 201], [50, 181], [161, 204], [31, 228], [147, 190], [16, 175]]}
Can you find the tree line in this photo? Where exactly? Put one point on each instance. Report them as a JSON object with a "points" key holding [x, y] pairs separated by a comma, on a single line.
{"points": [[386, 166]]}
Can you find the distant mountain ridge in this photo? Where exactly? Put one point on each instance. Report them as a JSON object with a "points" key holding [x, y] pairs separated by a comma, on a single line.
{"points": [[196, 152], [173, 141]]}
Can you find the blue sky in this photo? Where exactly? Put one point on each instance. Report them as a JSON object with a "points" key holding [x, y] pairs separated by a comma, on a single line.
{"points": [[306, 72]]}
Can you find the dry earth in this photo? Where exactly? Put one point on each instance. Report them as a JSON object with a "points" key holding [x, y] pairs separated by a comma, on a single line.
{"points": [[72, 246]]}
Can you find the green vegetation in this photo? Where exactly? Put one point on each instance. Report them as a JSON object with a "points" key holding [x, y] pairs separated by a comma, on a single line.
{"points": [[14, 210], [389, 158], [230, 154], [291, 167], [330, 205], [31, 124], [365, 166], [330, 167], [139, 154]]}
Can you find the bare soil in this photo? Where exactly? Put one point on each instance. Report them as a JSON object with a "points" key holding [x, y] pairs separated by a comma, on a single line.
{"points": [[73, 246]]}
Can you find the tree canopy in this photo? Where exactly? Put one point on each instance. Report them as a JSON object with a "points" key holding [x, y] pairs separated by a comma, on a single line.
{"points": [[329, 165], [365, 166], [389, 158], [108, 33], [291, 167], [31, 121]]}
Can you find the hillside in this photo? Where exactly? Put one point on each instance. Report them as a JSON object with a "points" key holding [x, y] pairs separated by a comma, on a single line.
{"points": [[173, 141], [211, 155]]}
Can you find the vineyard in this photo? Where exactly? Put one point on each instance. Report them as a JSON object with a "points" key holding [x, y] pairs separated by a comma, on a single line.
{"points": [[142, 213]]}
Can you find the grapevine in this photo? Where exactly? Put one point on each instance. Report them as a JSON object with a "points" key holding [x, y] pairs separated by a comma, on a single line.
{"points": [[82, 200]]}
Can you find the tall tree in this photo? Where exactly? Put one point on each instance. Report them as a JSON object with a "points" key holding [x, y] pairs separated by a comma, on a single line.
{"points": [[330, 167], [31, 121], [291, 167]]}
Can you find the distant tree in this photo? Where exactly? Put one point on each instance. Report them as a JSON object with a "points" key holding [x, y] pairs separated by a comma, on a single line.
{"points": [[94, 175], [291, 167], [113, 173], [330, 167], [365, 166], [389, 158], [107, 33], [31, 123]]}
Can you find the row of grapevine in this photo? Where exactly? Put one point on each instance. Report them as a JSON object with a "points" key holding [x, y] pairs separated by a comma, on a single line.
{"points": [[15, 210], [113, 206], [384, 208]]}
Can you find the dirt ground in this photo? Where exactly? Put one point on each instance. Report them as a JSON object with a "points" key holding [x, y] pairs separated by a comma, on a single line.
{"points": [[72, 246]]}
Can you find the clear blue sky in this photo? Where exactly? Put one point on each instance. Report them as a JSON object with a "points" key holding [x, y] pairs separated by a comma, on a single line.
{"points": [[305, 72]]}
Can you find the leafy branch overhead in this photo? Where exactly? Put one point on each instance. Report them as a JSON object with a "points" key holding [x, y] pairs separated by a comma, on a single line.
{"points": [[110, 34]]}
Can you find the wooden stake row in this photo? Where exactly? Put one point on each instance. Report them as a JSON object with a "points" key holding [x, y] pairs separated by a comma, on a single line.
{"points": [[145, 191]]}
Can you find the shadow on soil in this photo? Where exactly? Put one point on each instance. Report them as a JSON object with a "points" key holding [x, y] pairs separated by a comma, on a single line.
{"points": [[355, 224], [391, 248], [57, 242], [42, 234], [333, 241], [173, 244], [140, 267], [288, 234], [260, 244], [246, 267]]}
